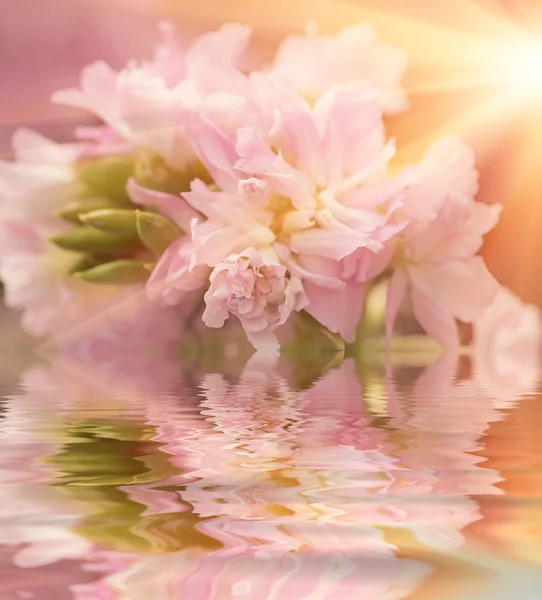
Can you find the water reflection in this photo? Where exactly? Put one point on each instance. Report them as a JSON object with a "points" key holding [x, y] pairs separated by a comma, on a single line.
{"points": [[147, 480]]}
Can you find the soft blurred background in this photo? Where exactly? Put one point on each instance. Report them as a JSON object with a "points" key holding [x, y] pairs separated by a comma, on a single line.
{"points": [[455, 48]]}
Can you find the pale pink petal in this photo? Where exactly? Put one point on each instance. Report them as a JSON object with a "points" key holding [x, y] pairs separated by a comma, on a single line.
{"points": [[19, 238], [374, 170], [333, 213], [235, 210], [454, 161], [294, 128], [320, 270], [455, 234], [224, 47], [379, 194], [508, 348], [151, 116], [213, 242], [228, 111], [216, 152], [215, 314], [173, 276], [201, 198], [256, 158], [98, 93], [314, 63], [331, 243], [482, 220], [461, 288], [32, 148], [169, 59], [338, 310], [213, 61], [173, 207], [437, 323], [347, 116], [446, 172]]}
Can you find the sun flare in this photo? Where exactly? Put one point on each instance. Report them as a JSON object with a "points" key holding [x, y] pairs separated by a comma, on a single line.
{"points": [[525, 66]]}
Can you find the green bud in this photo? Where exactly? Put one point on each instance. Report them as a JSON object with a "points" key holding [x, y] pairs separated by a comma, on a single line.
{"points": [[155, 231], [91, 241], [107, 176], [119, 272], [84, 262], [116, 221], [72, 211], [153, 172]]}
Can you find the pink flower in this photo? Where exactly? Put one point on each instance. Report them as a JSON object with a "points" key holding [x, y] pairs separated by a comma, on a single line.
{"points": [[508, 347], [39, 181], [149, 103], [313, 63], [313, 191], [34, 271], [437, 261], [254, 290]]}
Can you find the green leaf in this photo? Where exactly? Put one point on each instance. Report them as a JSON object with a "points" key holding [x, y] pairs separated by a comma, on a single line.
{"points": [[155, 231], [107, 176], [116, 221], [119, 272], [90, 241]]}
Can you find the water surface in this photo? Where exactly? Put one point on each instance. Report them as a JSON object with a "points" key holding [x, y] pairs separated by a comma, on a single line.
{"points": [[158, 480]]}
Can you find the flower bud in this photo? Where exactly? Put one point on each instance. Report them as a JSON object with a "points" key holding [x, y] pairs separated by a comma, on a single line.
{"points": [[107, 176], [91, 241], [155, 231], [84, 262], [153, 172], [119, 272], [116, 221], [72, 211]]}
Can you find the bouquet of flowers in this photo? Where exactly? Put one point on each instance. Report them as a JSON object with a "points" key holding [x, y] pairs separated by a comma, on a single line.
{"points": [[263, 193]]}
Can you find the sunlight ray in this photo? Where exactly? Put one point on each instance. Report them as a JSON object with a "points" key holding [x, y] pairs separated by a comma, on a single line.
{"points": [[470, 122]]}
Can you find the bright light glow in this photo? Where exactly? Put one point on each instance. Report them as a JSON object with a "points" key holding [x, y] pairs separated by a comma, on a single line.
{"points": [[522, 65]]}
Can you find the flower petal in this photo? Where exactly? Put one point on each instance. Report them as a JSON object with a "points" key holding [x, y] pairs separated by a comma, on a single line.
{"points": [[173, 207], [256, 158], [461, 288], [332, 243], [338, 310], [438, 323]]}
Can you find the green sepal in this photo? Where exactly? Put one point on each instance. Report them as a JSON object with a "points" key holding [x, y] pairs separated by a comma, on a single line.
{"points": [[90, 241], [153, 172], [155, 231], [116, 221], [84, 262], [107, 176], [118, 272], [73, 210]]}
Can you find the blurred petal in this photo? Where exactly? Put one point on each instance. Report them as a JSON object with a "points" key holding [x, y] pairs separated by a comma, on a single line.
{"points": [[437, 323]]}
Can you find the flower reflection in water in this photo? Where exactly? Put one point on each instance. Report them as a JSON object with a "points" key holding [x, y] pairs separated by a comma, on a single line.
{"points": [[214, 486]]}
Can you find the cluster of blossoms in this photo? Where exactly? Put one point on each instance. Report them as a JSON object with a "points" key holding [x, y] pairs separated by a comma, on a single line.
{"points": [[268, 192]]}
